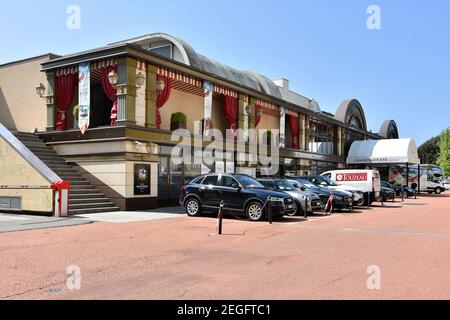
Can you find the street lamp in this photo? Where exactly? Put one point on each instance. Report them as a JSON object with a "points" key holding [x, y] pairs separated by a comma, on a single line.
{"points": [[160, 85], [248, 109], [113, 78], [259, 112], [40, 91], [140, 79]]}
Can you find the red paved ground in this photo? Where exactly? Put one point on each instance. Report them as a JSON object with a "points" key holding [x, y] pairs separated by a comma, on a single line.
{"points": [[326, 258]]}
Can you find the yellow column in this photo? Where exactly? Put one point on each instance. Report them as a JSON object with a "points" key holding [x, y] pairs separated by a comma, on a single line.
{"points": [[151, 97]]}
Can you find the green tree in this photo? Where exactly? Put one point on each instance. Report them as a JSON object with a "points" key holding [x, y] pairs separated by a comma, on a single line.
{"points": [[429, 150], [444, 146]]}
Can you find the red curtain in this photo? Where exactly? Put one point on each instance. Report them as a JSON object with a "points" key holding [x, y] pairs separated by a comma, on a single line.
{"points": [[65, 90], [257, 115], [163, 97], [110, 91], [230, 107], [293, 124]]}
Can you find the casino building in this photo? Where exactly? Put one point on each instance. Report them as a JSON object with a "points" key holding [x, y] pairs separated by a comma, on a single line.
{"points": [[134, 94]]}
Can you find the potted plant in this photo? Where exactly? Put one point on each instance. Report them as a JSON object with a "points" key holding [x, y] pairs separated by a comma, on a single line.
{"points": [[75, 111], [178, 121]]}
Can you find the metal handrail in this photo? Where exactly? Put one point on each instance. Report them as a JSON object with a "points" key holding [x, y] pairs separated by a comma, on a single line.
{"points": [[29, 156]]}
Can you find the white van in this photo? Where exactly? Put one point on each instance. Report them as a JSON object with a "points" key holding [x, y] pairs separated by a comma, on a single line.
{"points": [[368, 181]]}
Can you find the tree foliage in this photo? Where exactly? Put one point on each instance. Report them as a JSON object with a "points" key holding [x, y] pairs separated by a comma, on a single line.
{"points": [[444, 146], [429, 151]]}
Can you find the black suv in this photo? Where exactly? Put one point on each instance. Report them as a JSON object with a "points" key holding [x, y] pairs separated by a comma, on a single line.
{"points": [[242, 195]]}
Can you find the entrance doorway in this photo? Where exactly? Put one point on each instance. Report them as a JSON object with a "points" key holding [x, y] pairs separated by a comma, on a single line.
{"points": [[170, 181]]}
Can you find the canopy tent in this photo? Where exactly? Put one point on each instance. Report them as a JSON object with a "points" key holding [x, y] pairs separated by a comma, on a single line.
{"points": [[395, 151], [385, 152]]}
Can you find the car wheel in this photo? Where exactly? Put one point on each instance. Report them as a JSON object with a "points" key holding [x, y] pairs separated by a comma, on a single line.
{"points": [[254, 211], [438, 191], [193, 207], [298, 209]]}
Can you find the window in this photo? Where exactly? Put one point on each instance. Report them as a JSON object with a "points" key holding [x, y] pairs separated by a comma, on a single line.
{"points": [[249, 182], [210, 180], [322, 138], [285, 186], [196, 180], [328, 175], [165, 51], [229, 182], [267, 184]]}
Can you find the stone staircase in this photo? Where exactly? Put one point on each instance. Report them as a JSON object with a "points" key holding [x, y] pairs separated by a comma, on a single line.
{"points": [[84, 197]]}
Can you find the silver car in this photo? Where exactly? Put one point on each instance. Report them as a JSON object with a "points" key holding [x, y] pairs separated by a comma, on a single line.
{"points": [[304, 200]]}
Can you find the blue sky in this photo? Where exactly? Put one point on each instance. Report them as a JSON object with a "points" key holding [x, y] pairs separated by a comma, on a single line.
{"points": [[323, 47]]}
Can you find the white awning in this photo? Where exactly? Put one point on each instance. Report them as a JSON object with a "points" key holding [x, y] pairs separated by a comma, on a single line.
{"points": [[383, 152]]}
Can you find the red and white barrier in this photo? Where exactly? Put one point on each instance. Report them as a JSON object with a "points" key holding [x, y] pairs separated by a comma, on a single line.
{"points": [[61, 198], [60, 195]]}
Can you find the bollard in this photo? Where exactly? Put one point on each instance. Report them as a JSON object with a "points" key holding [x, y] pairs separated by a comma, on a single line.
{"points": [[403, 194], [382, 200], [306, 208], [368, 200], [353, 202], [269, 208], [221, 217]]}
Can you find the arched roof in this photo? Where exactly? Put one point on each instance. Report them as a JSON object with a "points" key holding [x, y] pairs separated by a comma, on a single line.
{"points": [[191, 58], [245, 78], [351, 111], [389, 130]]}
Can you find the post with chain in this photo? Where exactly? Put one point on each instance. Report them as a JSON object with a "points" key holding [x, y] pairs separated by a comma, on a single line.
{"points": [[306, 208], [221, 217], [269, 208]]}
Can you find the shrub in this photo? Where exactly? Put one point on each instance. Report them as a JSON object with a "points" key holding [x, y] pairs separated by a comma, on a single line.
{"points": [[178, 117]]}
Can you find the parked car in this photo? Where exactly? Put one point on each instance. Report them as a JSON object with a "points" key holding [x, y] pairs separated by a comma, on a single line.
{"points": [[304, 200], [367, 181], [241, 194], [407, 191], [342, 200], [447, 184], [387, 194], [357, 194]]}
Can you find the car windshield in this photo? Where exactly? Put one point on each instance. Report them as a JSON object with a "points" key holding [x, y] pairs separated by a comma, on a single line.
{"points": [[285, 186], [308, 184], [386, 185], [249, 182], [327, 181]]}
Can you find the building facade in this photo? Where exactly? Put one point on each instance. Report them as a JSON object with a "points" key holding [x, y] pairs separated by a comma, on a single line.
{"points": [[158, 77]]}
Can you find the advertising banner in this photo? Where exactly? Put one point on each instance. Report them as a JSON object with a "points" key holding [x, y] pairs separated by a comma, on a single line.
{"points": [[84, 96], [208, 89], [246, 118], [141, 179], [282, 127]]}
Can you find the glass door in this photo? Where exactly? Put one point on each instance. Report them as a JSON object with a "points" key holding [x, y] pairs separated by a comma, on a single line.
{"points": [[170, 179]]}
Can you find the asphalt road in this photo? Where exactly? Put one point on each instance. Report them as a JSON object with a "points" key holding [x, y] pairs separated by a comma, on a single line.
{"points": [[182, 258]]}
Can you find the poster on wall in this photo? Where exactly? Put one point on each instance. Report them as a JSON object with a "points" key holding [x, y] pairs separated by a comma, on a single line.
{"points": [[208, 87], [141, 179], [84, 96], [282, 127], [230, 167], [220, 167]]}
